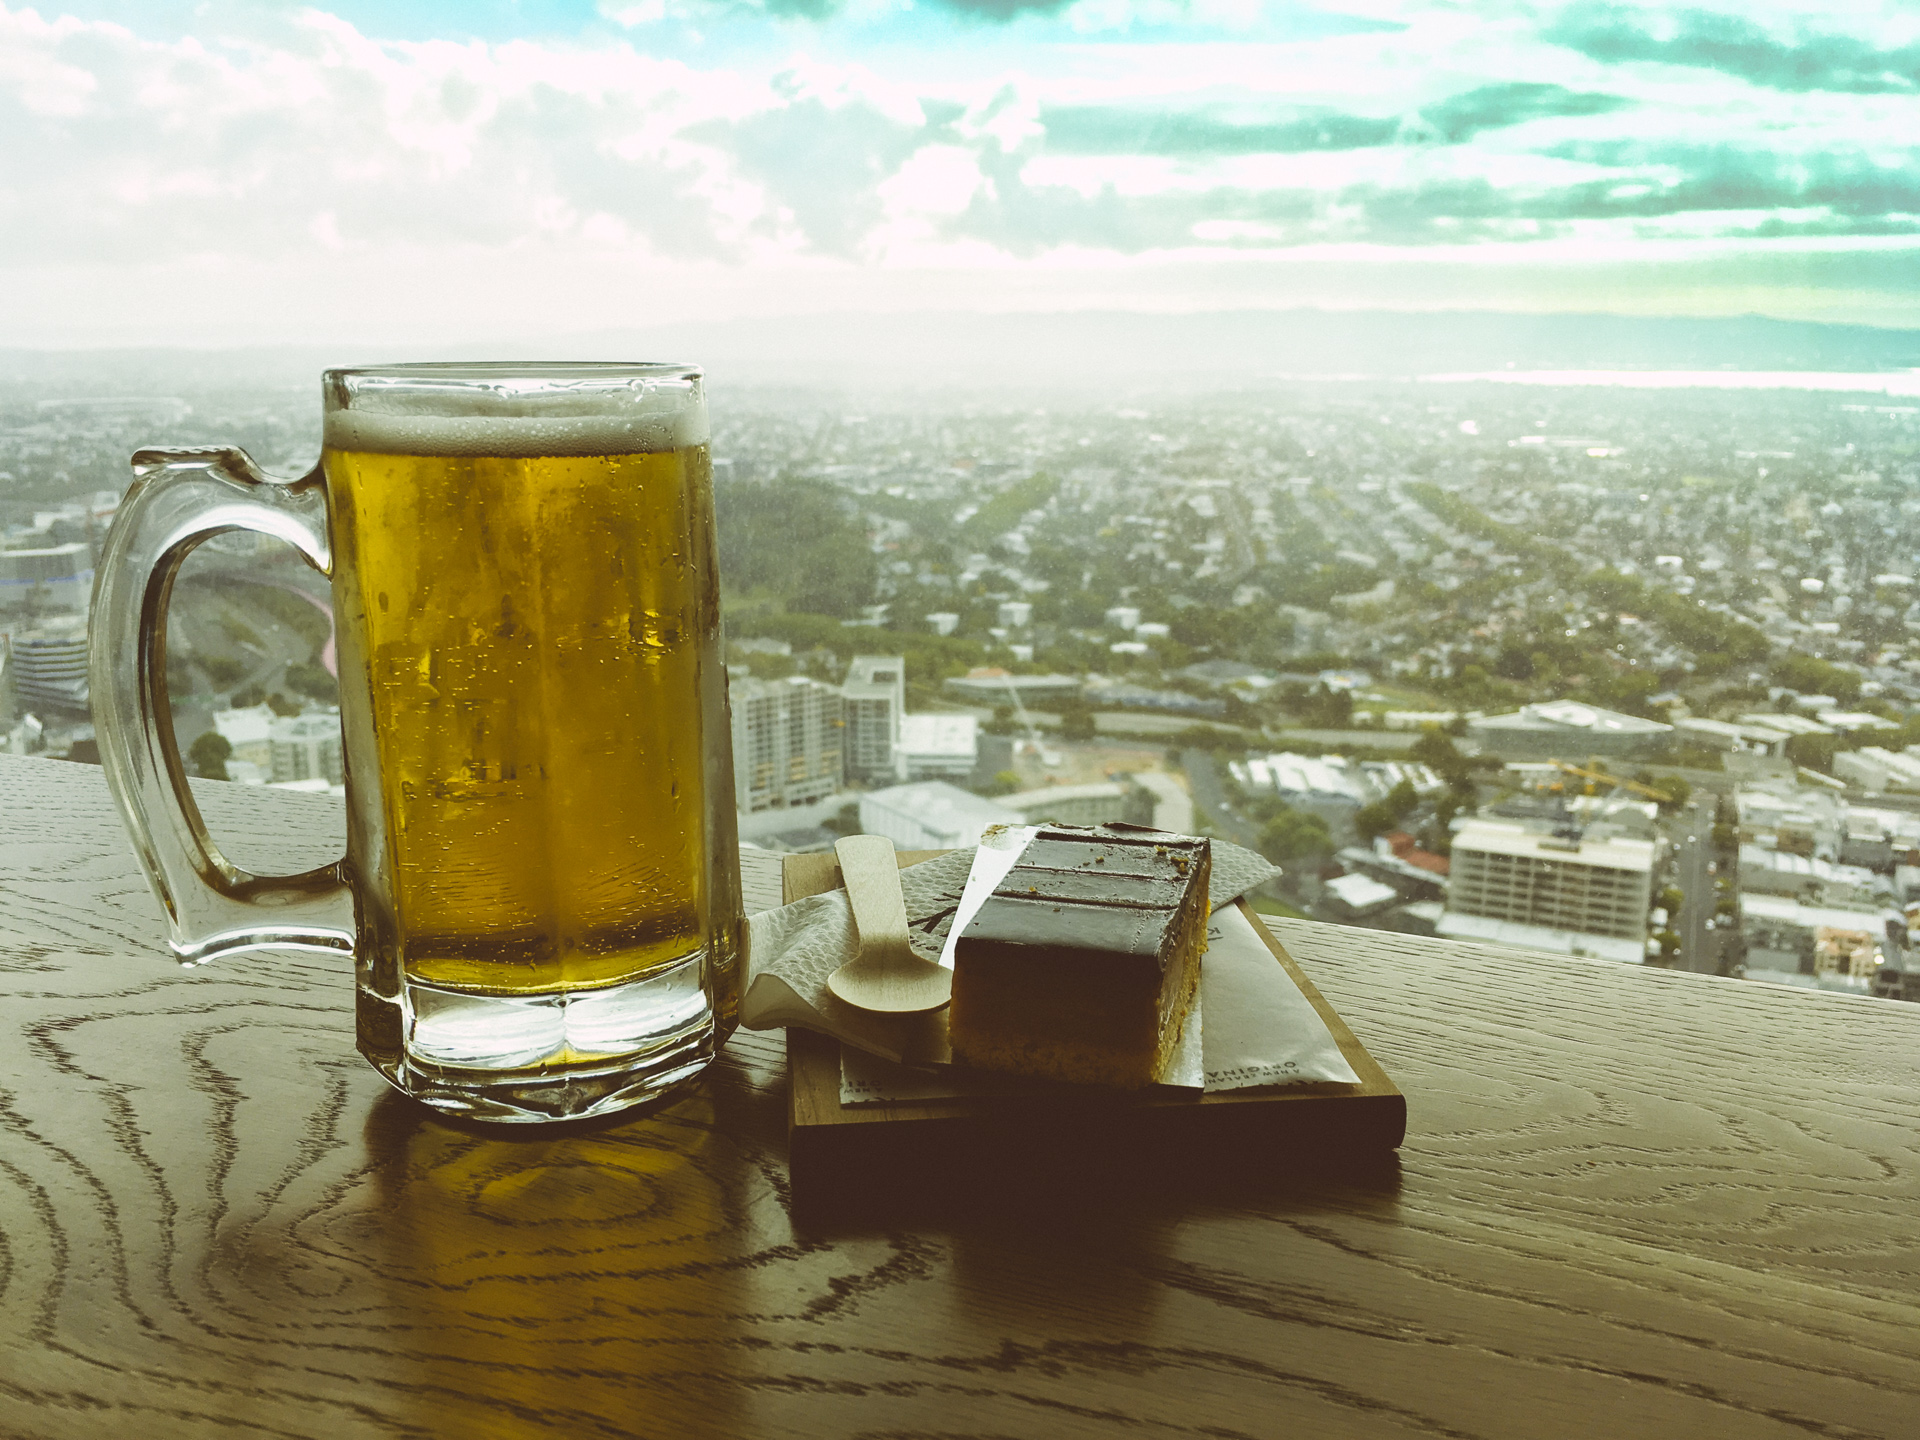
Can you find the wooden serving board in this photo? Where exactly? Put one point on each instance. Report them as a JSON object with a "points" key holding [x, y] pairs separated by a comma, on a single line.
{"points": [[1276, 1123]]}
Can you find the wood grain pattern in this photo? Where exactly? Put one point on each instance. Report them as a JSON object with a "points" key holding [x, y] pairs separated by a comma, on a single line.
{"points": [[1631, 1203]]}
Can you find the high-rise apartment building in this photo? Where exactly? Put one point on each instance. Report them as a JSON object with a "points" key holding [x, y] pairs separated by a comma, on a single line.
{"points": [[789, 742], [1595, 887], [876, 702]]}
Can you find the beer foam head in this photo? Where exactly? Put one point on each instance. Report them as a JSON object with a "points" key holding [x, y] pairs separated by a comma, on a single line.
{"points": [[522, 411]]}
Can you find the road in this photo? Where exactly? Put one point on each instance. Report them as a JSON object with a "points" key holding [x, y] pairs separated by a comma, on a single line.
{"points": [[1210, 799], [1355, 739], [1692, 850]]}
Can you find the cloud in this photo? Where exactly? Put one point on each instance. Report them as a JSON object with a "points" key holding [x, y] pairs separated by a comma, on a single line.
{"points": [[1495, 107], [1736, 46], [1691, 191], [1139, 130], [820, 157], [1238, 130], [305, 141], [1002, 10]]}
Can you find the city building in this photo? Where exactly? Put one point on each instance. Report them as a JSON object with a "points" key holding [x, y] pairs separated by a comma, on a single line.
{"points": [[1518, 886], [1094, 804], [988, 685], [875, 695], [1220, 674], [1172, 805], [931, 815], [49, 664], [48, 578], [1850, 722], [1352, 898], [1727, 736], [1119, 695], [1784, 724], [249, 732], [305, 747], [939, 747], [1822, 946], [1562, 729], [1802, 877], [788, 742], [1796, 819], [1878, 770], [1414, 719]]}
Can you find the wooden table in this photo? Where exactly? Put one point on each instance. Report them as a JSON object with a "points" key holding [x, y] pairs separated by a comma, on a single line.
{"points": [[1631, 1203]]}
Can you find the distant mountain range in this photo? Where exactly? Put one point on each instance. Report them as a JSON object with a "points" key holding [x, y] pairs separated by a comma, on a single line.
{"points": [[1106, 350]]}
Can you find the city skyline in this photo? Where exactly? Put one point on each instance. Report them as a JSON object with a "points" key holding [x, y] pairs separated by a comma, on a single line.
{"points": [[232, 173]]}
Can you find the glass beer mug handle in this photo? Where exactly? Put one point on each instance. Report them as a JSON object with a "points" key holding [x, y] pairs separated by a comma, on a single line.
{"points": [[178, 499]]}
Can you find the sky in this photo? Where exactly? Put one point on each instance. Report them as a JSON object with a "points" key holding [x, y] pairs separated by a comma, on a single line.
{"points": [[421, 172]]}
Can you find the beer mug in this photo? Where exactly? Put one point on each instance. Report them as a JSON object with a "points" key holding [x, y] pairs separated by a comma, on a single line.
{"points": [[541, 886]]}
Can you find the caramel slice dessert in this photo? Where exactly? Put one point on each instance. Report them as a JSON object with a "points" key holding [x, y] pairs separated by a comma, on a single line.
{"points": [[1083, 963]]}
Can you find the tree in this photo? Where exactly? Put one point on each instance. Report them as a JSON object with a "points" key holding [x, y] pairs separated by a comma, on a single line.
{"points": [[1293, 834], [281, 705], [209, 755], [223, 670], [1386, 813], [1678, 791], [1815, 752], [248, 698], [1438, 753], [1811, 675], [317, 681], [795, 539], [1076, 721]]}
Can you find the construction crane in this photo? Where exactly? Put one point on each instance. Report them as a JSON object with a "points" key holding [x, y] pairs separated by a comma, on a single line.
{"points": [[1049, 758], [1602, 777]]}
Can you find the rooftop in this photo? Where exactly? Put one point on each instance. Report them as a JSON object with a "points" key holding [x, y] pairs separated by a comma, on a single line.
{"points": [[1492, 837], [1454, 926], [1573, 718]]}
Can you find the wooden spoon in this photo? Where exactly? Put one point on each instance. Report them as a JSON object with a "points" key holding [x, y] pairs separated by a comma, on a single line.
{"points": [[885, 975]]}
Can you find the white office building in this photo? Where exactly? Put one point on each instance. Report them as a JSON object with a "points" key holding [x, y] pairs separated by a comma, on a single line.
{"points": [[931, 815], [1512, 885], [788, 742], [875, 695], [939, 747], [306, 747], [1562, 728]]}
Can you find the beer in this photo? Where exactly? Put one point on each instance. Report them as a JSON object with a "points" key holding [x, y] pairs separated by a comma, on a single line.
{"points": [[522, 631], [541, 887]]}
